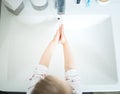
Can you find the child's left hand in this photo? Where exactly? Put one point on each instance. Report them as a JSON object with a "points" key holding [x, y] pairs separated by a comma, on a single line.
{"points": [[56, 38]]}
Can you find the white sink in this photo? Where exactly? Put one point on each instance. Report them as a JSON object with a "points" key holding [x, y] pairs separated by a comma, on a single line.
{"points": [[90, 37]]}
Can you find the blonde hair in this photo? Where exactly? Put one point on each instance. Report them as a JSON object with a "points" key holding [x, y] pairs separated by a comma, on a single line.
{"points": [[51, 85]]}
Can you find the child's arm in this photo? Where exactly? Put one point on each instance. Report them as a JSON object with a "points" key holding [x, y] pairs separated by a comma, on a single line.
{"points": [[68, 58], [46, 57], [41, 70], [72, 76]]}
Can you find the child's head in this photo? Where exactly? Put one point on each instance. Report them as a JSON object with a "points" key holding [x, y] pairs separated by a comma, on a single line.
{"points": [[51, 85]]}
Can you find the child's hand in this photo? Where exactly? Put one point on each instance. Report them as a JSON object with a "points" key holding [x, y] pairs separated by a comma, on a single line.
{"points": [[56, 38], [62, 35]]}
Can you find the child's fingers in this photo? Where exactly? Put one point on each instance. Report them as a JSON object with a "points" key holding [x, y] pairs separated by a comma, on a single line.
{"points": [[61, 28], [57, 35], [62, 31]]}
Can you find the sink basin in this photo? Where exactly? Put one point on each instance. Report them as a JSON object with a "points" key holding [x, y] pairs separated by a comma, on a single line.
{"points": [[90, 37], [92, 41]]}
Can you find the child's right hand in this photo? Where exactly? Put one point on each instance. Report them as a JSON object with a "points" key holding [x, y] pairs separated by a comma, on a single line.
{"points": [[62, 35], [56, 38]]}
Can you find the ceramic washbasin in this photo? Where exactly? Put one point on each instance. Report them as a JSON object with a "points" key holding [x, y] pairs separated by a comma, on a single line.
{"points": [[90, 37]]}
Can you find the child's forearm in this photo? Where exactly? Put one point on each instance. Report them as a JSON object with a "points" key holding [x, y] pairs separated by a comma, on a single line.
{"points": [[46, 57], [68, 58]]}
